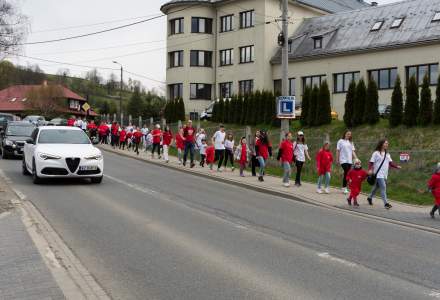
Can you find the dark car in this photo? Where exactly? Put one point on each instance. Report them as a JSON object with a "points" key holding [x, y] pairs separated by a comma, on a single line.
{"points": [[5, 118], [14, 138], [384, 110]]}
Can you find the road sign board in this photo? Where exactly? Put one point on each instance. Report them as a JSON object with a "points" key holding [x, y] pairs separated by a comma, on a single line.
{"points": [[286, 107], [86, 106], [404, 157]]}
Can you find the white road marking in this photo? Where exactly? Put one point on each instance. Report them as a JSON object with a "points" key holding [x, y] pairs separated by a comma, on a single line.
{"points": [[133, 186], [344, 262], [435, 294]]}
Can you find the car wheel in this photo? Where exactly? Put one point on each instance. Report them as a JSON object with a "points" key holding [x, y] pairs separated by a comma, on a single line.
{"points": [[96, 179], [24, 168], [35, 178]]}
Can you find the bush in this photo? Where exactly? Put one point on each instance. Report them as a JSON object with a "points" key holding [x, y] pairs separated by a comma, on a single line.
{"points": [[349, 105], [436, 117], [181, 110], [221, 110], [313, 108], [305, 106], [359, 103], [412, 103], [227, 111], [425, 114], [371, 111], [244, 110], [396, 114], [239, 110], [324, 110]]}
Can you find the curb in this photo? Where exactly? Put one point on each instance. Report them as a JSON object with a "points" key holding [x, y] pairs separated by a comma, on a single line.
{"points": [[292, 197]]}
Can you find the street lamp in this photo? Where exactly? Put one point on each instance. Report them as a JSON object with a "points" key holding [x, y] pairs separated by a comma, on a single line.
{"points": [[120, 91]]}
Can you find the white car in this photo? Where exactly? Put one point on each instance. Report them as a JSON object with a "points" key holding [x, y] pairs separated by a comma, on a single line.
{"points": [[62, 152]]}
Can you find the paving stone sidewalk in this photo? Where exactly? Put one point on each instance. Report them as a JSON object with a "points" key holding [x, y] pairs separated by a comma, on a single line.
{"points": [[23, 273], [402, 212]]}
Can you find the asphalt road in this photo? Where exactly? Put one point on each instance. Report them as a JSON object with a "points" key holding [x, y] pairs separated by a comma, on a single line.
{"points": [[152, 233]]}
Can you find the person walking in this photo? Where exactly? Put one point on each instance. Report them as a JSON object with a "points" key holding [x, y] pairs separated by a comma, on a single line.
{"points": [[180, 144], [242, 154], [229, 151], [379, 165], [200, 136], [285, 156], [122, 139], [137, 136], [129, 139], [324, 161], [189, 138], [355, 178], [202, 150], [102, 131], [434, 187], [167, 139], [254, 161], [345, 154], [210, 156], [218, 139], [157, 137], [114, 132], [263, 150], [300, 152]]}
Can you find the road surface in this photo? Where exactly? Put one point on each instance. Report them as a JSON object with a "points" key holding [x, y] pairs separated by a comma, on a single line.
{"points": [[152, 233]]}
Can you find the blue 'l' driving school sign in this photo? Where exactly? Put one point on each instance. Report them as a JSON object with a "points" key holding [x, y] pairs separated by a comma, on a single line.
{"points": [[286, 107]]}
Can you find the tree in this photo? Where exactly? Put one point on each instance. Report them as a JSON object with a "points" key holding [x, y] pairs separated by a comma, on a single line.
{"points": [[259, 107], [12, 28], [305, 106], [181, 110], [412, 103], [239, 109], [396, 114], [371, 115], [112, 84], [221, 110], [425, 113], [359, 103], [104, 108], [436, 117], [244, 109], [227, 111], [214, 117], [313, 108], [324, 110], [135, 104], [44, 99], [349, 104], [250, 113]]}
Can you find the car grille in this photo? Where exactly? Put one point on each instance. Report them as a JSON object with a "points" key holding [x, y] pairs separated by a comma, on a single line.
{"points": [[54, 171], [20, 144], [89, 172], [73, 163]]}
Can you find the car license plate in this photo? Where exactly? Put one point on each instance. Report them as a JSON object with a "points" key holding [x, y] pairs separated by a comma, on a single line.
{"points": [[88, 168]]}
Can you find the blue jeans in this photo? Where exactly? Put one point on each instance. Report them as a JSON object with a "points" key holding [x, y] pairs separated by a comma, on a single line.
{"points": [[381, 184], [262, 163], [287, 172], [189, 147], [327, 180]]}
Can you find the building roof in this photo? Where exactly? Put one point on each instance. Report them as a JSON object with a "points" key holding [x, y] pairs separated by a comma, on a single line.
{"points": [[350, 32], [331, 6]]}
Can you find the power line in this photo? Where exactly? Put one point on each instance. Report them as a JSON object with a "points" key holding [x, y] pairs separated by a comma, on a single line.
{"points": [[143, 76]]}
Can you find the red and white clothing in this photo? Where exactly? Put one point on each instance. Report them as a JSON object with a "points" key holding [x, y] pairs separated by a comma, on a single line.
{"points": [[188, 134], [324, 160], [262, 149], [180, 142], [210, 155], [355, 177], [434, 185], [122, 136], [157, 134], [286, 149], [71, 122], [167, 137]]}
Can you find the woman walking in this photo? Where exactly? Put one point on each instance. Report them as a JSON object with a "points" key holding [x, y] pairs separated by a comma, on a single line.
{"points": [[167, 139], [324, 161], [180, 145], [254, 161], [263, 150], [157, 137], [285, 156], [434, 187], [345, 154], [218, 140], [301, 152], [380, 163], [229, 150], [241, 153]]}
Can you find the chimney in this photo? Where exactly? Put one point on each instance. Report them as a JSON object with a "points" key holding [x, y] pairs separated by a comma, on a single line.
{"points": [[373, 3]]}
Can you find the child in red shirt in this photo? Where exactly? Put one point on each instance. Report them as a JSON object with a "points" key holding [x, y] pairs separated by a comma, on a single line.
{"points": [[285, 156], [122, 139], [324, 160], [129, 139], [157, 136], [137, 136], [434, 187], [241, 154], [180, 144], [167, 138], [210, 156], [355, 177]]}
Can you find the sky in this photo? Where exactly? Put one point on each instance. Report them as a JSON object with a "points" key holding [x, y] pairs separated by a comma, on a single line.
{"points": [[141, 49]]}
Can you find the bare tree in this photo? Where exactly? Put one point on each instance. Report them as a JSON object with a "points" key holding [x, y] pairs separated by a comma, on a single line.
{"points": [[45, 99], [13, 28]]}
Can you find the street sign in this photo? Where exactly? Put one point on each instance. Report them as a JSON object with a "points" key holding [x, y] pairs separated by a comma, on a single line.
{"points": [[86, 107], [404, 157], [286, 107]]}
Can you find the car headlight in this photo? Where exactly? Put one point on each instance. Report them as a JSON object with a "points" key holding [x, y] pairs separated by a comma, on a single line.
{"points": [[94, 157], [9, 143], [46, 156]]}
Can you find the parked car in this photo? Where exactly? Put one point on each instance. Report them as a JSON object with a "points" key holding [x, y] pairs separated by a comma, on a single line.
{"points": [[36, 120], [5, 118], [14, 138], [57, 122], [61, 152], [384, 110], [207, 114]]}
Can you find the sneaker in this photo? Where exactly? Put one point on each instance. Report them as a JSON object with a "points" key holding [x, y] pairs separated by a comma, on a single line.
{"points": [[219, 170], [319, 191], [160, 157], [356, 204], [297, 184], [192, 165], [349, 201], [241, 175], [388, 206], [370, 201], [286, 184], [432, 215], [180, 162], [167, 161], [232, 169], [346, 191], [260, 178], [327, 191], [184, 163]]}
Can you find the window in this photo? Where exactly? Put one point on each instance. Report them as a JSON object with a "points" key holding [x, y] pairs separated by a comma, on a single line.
{"points": [[175, 90], [290, 46], [385, 78], [201, 25], [226, 57], [226, 23], [176, 59], [247, 54], [420, 71], [200, 58], [247, 19], [245, 87], [311, 81], [317, 42], [292, 82], [436, 17], [200, 91], [377, 26], [278, 87], [176, 26], [397, 23], [343, 80], [225, 90], [74, 104]]}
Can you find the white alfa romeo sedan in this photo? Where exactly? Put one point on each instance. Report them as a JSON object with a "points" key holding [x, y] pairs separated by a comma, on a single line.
{"points": [[62, 152]]}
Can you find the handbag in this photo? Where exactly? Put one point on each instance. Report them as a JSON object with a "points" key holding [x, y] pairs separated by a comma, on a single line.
{"points": [[371, 179]]}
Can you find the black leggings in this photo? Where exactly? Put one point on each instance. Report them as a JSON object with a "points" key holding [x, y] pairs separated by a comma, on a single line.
{"points": [[136, 147], [299, 166], [434, 209], [122, 145], [346, 168], [156, 145], [254, 165], [219, 155], [229, 155]]}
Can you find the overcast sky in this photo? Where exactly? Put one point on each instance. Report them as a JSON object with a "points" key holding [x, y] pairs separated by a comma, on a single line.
{"points": [[52, 19]]}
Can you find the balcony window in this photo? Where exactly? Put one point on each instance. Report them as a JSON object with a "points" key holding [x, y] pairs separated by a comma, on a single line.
{"points": [[247, 19], [176, 59], [247, 54], [226, 57], [176, 26], [200, 58], [175, 90], [226, 23], [200, 91], [201, 25]]}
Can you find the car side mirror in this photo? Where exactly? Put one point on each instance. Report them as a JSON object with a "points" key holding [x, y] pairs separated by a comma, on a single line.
{"points": [[30, 141]]}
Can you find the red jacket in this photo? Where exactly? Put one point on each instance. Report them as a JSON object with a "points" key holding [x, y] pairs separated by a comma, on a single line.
{"points": [[91, 126], [286, 149], [263, 149], [138, 136], [70, 122], [434, 185], [115, 129], [179, 142], [157, 133], [356, 177], [122, 135], [102, 129], [129, 135], [210, 155], [188, 134], [324, 160], [243, 156], [167, 137]]}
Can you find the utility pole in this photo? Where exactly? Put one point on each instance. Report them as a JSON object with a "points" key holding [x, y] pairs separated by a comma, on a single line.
{"points": [[120, 92], [285, 123]]}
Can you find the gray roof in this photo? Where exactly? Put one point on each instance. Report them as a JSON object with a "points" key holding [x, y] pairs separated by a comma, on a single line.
{"points": [[349, 32], [325, 5]]}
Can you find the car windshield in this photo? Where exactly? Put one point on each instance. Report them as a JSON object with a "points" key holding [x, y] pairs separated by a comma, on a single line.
{"points": [[17, 130], [5, 118], [63, 136]]}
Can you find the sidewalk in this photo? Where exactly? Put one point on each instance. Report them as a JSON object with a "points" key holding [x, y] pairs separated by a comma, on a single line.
{"points": [[23, 273], [404, 214]]}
